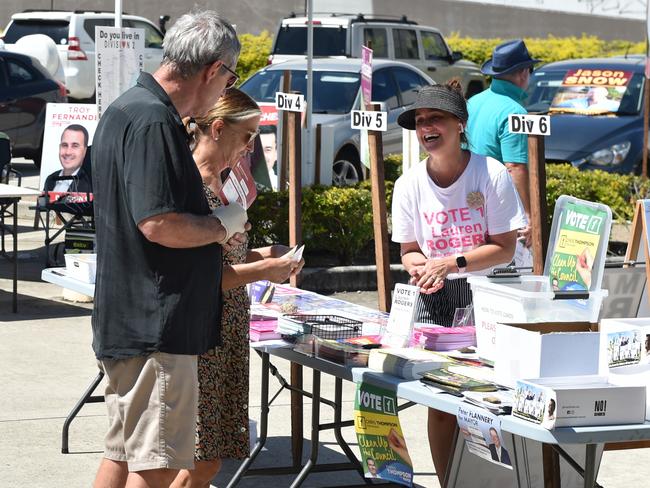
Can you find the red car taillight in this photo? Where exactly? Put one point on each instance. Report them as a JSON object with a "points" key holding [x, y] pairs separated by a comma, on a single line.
{"points": [[75, 53], [63, 91]]}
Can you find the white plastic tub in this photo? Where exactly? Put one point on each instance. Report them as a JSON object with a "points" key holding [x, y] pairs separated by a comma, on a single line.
{"points": [[527, 299], [82, 267]]}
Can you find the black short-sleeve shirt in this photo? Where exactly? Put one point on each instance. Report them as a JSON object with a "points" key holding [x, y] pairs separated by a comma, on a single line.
{"points": [[149, 297]]}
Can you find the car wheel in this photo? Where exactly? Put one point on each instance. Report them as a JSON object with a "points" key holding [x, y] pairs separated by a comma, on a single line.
{"points": [[346, 172]]}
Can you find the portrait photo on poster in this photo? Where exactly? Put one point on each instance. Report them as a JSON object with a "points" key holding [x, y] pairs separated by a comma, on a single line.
{"points": [[482, 433], [65, 169]]}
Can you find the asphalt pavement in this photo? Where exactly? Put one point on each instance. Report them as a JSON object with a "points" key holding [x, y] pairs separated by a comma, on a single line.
{"points": [[46, 362]]}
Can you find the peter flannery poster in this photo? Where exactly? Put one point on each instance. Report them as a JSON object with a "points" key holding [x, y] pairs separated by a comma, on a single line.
{"points": [[119, 61], [481, 430], [383, 449], [572, 261]]}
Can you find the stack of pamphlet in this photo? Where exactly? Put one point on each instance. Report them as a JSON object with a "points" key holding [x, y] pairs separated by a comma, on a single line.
{"points": [[263, 330], [449, 338], [406, 363], [456, 383], [350, 352]]}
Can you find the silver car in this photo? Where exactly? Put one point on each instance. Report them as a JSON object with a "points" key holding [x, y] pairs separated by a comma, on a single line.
{"points": [[336, 88]]}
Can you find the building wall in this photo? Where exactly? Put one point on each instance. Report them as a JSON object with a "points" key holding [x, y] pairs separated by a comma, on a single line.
{"points": [[476, 20], [448, 15]]}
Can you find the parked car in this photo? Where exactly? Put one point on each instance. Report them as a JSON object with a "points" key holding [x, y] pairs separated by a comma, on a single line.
{"points": [[74, 34], [604, 134], [336, 88], [26, 87], [401, 39]]}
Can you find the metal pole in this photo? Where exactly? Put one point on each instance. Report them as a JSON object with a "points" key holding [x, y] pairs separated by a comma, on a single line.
{"points": [[310, 87], [118, 13]]}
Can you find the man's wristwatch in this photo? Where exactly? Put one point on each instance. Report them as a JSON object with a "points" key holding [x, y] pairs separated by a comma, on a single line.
{"points": [[461, 263]]}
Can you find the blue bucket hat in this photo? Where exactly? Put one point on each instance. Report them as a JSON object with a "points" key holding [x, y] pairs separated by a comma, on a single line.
{"points": [[507, 57]]}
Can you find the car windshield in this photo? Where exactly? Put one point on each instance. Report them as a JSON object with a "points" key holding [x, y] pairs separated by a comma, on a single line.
{"points": [[328, 41], [57, 30], [334, 91], [557, 91]]}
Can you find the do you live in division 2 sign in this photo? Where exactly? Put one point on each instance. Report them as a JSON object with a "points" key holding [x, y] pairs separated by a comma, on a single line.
{"points": [[539, 125]]}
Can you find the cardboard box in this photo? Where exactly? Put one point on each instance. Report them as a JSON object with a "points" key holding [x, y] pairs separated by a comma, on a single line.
{"points": [[578, 401], [632, 366], [82, 267], [546, 350]]}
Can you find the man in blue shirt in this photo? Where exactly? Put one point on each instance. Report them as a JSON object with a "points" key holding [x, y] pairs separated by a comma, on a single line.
{"points": [[487, 127]]}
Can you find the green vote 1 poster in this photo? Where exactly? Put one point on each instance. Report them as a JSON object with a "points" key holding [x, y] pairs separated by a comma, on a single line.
{"points": [[572, 262], [383, 449]]}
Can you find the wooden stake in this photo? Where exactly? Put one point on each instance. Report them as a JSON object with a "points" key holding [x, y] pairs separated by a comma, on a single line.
{"points": [[538, 206], [293, 133], [380, 224], [282, 161], [551, 464], [295, 184], [638, 236]]}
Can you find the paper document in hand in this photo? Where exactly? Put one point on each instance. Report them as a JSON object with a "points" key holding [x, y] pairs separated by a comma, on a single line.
{"points": [[239, 186], [295, 253]]}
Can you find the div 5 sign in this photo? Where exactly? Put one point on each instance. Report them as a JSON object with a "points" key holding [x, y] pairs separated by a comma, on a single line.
{"points": [[369, 120], [539, 125]]}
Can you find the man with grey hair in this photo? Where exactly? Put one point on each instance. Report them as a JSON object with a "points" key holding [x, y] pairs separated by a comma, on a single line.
{"points": [[158, 286]]}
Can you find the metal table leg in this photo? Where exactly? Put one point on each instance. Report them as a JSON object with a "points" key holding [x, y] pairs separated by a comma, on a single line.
{"points": [[87, 397], [315, 430], [264, 418], [14, 306], [590, 465], [338, 423]]}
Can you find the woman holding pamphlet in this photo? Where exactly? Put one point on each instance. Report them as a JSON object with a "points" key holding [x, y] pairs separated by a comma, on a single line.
{"points": [[455, 213], [219, 141]]}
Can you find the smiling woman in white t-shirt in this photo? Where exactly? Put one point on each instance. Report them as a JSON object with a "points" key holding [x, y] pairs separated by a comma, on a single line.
{"points": [[454, 214]]}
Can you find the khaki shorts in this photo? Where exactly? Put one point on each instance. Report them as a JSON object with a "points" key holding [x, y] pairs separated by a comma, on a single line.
{"points": [[152, 407]]}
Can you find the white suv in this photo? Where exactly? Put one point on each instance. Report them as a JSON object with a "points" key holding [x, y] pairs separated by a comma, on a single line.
{"points": [[73, 32], [400, 39]]}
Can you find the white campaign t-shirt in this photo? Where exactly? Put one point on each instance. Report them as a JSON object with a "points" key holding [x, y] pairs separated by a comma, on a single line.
{"points": [[447, 221]]}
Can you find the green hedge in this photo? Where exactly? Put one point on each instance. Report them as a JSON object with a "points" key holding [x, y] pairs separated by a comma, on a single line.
{"points": [[547, 49], [335, 220], [339, 220], [255, 51]]}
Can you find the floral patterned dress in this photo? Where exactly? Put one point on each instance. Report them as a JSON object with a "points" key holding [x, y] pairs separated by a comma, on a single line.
{"points": [[222, 421]]}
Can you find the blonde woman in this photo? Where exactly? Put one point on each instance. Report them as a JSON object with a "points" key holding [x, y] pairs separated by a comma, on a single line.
{"points": [[219, 140], [455, 213]]}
